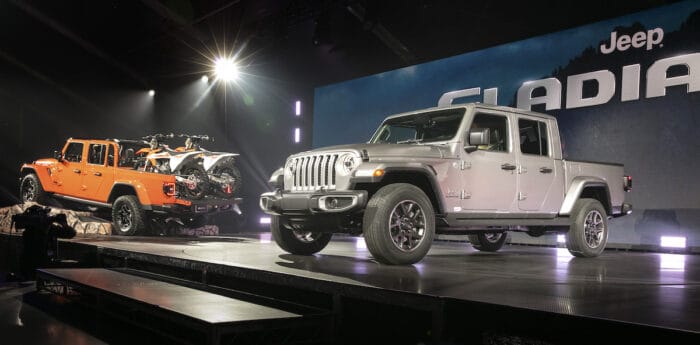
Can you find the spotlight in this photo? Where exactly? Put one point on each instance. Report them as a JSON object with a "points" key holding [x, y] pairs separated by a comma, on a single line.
{"points": [[225, 69], [297, 135], [205, 79], [151, 92]]}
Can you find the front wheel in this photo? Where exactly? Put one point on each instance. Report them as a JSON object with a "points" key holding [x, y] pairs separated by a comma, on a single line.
{"points": [[488, 241], [588, 233], [300, 242], [399, 224], [196, 181], [30, 189], [128, 217]]}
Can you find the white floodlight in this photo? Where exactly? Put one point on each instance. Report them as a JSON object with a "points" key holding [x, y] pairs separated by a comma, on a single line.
{"points": [[225, 69]]}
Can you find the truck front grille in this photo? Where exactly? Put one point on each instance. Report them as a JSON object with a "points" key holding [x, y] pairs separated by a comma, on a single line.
{"points": [[314, 172]]}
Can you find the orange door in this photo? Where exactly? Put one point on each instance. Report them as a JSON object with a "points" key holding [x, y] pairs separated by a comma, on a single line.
{"points": [[69, 173], [99, 171]]}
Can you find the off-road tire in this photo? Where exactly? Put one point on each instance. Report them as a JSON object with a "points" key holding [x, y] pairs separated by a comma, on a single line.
{"points": [[30, 189], [202, 186], [411, 212], [128, 217], [234, 173], [488, 241], [298, 242], [588, 232]]}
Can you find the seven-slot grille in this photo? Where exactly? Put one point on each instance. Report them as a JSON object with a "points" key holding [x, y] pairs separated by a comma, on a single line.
{"points": [[314, 172]]}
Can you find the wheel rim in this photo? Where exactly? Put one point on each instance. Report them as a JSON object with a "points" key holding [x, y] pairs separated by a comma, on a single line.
{"points": [[29, 190], [124, 217], [306, 236], [407, 225], [594, 228], [493, 237]]}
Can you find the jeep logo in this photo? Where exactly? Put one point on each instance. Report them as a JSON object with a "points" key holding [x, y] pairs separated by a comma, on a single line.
{"points": [[650, 38]]}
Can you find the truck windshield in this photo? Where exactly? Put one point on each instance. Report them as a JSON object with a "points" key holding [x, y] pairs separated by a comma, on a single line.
{"points": [[420, 128]]}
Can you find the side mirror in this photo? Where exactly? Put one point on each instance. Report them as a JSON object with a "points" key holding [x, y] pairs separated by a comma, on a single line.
{"points": [[476, 138], [58, 155]]}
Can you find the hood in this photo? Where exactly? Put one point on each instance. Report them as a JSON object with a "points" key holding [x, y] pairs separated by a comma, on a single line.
{"points": [[390, 150]]}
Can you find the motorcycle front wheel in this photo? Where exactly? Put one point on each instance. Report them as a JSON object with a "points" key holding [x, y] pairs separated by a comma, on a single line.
{"points": [[197, 183]]}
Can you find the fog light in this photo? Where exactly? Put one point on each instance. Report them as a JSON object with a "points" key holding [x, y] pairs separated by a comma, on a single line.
{"points": [[331, 203]]}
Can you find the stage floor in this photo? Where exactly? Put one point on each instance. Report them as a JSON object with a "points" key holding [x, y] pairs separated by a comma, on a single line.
{"points": [[653, 289]]}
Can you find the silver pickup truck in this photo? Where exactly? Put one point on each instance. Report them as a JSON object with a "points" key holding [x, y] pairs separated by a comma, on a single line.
{"points": [[475, 169]]}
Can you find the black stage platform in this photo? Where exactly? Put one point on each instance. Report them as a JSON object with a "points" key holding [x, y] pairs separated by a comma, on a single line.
{"points": [[455, 295]]}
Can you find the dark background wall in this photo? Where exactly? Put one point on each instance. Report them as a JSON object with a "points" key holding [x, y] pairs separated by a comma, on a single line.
{"points": [[82, 68]]}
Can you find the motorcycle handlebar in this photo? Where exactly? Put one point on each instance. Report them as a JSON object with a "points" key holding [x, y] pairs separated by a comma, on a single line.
{"points": [[159, 136], [197, 137]]}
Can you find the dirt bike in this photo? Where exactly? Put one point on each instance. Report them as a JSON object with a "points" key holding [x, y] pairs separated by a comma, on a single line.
{"points": [[186, 166], [224, 176]]}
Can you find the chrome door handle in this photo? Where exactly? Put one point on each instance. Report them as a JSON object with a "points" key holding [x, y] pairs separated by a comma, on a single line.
{"points": [[77, 171], [546, 170], [98, 173], [507, 166]]}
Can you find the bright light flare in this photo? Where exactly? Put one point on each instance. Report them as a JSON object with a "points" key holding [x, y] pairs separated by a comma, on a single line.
{"points": [[225, 69], [205, 79], [151, 92], [673, 242]]}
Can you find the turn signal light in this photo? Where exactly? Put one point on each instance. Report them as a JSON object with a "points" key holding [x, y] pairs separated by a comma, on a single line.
{"points": [[378, 173]]}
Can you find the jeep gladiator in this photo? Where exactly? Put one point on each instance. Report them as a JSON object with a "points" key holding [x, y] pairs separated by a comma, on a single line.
{"points": [[477, 170]]}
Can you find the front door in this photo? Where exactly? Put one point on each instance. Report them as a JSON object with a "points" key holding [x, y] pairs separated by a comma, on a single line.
{"points": [[489, 175], [69, 173]]}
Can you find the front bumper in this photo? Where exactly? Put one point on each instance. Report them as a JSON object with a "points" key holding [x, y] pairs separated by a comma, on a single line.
{"points": [[323, 202]]}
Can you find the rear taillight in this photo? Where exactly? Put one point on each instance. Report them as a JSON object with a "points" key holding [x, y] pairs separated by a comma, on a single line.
{"points": [[628, 183], [169, 188]]}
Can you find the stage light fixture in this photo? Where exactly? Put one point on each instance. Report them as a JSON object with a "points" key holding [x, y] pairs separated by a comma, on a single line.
{"points": [[265, 220], [297, 135], [297, 111], [561, 238], [205, 79], [673, 242], [151, 92], [225, 69]]}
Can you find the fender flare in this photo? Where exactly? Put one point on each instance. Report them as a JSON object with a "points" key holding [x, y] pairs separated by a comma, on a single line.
{"points": [[578, 184], [137, 188], [425, 170]]}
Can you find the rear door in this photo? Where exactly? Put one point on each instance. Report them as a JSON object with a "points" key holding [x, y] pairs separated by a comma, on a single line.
{"points": [[537, 170], [99, 170]]}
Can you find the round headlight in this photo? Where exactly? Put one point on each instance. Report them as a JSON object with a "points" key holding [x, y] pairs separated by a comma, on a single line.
{"points": [[347, 163], [291, 167]]}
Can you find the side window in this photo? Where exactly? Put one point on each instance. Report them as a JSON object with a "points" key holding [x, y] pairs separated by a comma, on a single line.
{"points": [[74, 152], [96, 154], [498, 130], [110, 156], [533, 137]]}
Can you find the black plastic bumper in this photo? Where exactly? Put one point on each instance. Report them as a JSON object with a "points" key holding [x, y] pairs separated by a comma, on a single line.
{"points": [[324, 202], [203, 206]]}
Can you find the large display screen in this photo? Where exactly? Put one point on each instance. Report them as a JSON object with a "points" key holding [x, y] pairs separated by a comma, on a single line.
{"points": [[625, 90]]}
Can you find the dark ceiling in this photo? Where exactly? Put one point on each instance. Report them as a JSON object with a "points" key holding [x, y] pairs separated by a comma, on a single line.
{"points": [[154, 44]]}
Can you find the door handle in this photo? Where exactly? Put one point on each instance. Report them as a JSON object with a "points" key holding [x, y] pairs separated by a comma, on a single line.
{"points": [[77, 171], [508, 166], [98, 173], [546, 170]]}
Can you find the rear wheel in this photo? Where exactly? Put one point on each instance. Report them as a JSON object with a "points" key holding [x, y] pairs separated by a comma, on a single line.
{"points": [[488, 241], [128, 217], [232, 181], [300, 242], [31, 190], [588, 233]]}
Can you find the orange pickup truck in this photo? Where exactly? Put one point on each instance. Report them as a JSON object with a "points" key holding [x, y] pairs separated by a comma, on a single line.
{"points": [[102, 174]]}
